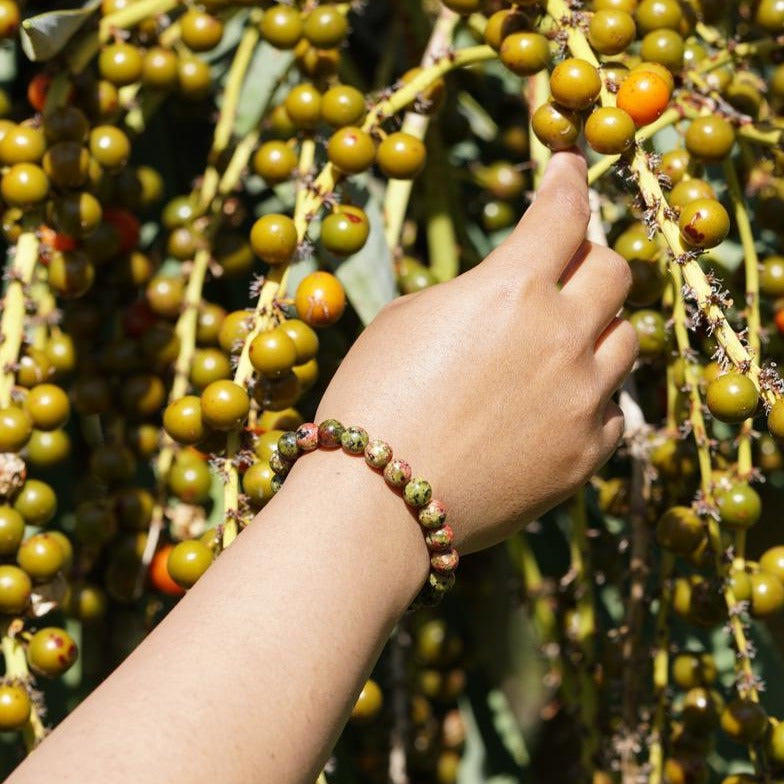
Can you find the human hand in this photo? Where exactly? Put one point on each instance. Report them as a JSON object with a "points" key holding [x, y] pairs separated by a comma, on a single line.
{"points": [[497, 386]]}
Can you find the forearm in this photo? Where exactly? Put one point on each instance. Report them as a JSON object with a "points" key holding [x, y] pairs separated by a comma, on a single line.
{"points": [[251, 677]]}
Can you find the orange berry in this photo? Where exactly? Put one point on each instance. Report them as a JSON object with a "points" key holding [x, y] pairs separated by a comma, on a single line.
{"points": [[37, 90], [644, 96], [159, 573], [127, 224], [778, 320], [55, 240], [320, 299]]}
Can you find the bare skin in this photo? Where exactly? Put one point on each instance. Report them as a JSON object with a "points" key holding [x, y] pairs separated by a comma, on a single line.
{"points": [[498, 388]]}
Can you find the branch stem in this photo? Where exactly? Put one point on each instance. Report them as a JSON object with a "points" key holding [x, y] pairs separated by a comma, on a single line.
{"points": [[661, 666], [16, 669], [746, 678], [132, 14], [398, 192], [753, 321], [12, 323]]}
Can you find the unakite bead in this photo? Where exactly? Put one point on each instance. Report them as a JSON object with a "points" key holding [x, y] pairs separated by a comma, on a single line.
{"points": [[307, 436], [445, 562], [433, 515], [354, 440], [440, 583], [439, 540], [279, 464], [329, 433], [427, 597], [288, 447], [378, 453], [417, 492], [276, 483], [397, 473]]}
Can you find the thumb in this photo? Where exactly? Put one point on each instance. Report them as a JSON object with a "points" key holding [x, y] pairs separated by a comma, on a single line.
{"points": [[553, 227]]}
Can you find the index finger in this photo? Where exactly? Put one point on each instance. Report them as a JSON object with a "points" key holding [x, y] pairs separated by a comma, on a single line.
{"points": [[554, 226]]}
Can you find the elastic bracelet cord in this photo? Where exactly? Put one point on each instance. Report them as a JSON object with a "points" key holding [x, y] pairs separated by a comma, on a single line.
{"points": [[416, 492]]}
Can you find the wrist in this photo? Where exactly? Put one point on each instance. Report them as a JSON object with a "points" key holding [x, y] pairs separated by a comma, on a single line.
{"points": [[375, 533]]}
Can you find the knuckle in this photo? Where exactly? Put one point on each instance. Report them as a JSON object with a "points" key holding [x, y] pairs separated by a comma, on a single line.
{"points": [[613, 268], [599, 449], [582, 412], [614, 435], [527, 285], [515, 288], [620, 272], [573, 346], [594, 394], [589, 462], [631, 342]]}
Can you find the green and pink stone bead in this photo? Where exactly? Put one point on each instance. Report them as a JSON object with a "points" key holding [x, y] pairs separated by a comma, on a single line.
{"points": [[416, 491]]}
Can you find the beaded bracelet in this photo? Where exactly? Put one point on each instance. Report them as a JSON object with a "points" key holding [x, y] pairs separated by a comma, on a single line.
{"points": [[416, 492]]}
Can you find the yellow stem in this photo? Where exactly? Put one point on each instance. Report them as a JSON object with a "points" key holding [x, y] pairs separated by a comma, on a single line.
{"points": [[537, 92], [661, 665], [13, 320], [58, 92], [132, 14], [305, 164], [753, 322], [234, 82], [16, 669], [543, 615], [81, 55], [187, 323], [231, 98], [470, 55], [709, 34], [238, 162], [142, 110], [763, 46], [442, 245], [231, 491], [171, 35], [45, 306], [742, 662], [693, 274], [766, 137], [586, 629], [398, 192]]}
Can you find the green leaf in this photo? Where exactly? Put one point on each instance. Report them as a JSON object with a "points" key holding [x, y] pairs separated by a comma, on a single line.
{"points": [[475, 760], [267, 68], [8, 69], [479, 238], [216, 512], [479, 119], [368, 275], [45, 35], [232, 32], [299, 269]]}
